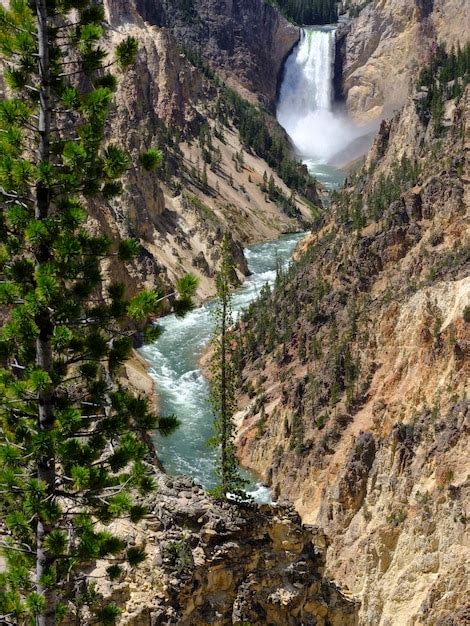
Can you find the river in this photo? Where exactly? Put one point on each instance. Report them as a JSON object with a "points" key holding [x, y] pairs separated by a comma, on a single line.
{"points": [[182, 389], [305, 105]]}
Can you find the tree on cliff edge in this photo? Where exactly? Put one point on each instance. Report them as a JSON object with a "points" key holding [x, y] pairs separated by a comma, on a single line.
{"points": [[71, 438], [223, 381]]}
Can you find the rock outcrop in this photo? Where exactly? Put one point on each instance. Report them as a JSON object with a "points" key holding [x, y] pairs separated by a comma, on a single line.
{"points": [[180, 211], [246, 41], [220, 563], [356, 377], [382, 49]]}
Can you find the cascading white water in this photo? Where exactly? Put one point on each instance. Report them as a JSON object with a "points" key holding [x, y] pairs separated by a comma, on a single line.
{"points": [[307, 84], [306, 96], [305, 108]]}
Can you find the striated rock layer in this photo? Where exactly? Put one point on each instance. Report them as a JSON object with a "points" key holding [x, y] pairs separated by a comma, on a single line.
{"points": [[382, 49], [180, 211], [356, 378]]}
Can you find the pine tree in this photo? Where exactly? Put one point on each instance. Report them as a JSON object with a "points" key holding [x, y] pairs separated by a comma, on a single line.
{"points": [[437, 111], [271, 188], [309, 11], [264, 184], [72, 456], [223, 381]]}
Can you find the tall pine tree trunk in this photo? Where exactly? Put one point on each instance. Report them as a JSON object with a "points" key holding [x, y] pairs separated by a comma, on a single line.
{"points": [[223, 388], [46, 464]]}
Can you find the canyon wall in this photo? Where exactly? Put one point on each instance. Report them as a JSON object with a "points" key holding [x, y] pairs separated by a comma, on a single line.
{"points": [[246, 41], [382, 49], [355, 376], [179, 212]]}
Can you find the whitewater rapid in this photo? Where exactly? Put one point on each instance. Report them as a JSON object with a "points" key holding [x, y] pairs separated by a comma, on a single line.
{"points": [[181, 386]]}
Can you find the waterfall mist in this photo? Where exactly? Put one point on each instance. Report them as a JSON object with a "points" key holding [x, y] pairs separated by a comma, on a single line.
{"points": [[305, 107]]}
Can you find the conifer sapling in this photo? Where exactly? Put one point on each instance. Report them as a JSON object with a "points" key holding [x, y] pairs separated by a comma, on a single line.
{"points": [[223, 381]]}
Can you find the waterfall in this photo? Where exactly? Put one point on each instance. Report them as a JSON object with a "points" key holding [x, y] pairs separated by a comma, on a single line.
{"points": [[308, 77], [305, 107]]}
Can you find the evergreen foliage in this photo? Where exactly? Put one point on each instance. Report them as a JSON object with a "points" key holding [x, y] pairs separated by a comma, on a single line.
{"points": [[444, 78], [466, 314], [355, 10], [223, 381], [308, 11], [362, 207], [72, 456], [187, 8], [389, 188], [152, 159], [266, 142], [196, 58]]}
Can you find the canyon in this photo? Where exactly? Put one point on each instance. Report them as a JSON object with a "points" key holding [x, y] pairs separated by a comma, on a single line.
{"points": [[176, 99], [379, 464], [247, 41], [353, 360]]}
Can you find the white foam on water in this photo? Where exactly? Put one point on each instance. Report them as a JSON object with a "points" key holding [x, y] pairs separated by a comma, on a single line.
{"points": [[306, 109], [183, 390], [261, 494]]}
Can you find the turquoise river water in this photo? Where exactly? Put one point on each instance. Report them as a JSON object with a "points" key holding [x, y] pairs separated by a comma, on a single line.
{"points": [[306, 97], [174, 363]]}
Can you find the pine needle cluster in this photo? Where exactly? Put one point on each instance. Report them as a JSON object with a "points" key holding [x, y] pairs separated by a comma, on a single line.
{"points": [[72, 451]]}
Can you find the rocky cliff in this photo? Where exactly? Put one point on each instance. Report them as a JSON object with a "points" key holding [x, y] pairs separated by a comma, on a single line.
{"points": [[210, 181], [383, 47], [246, 41], [355, 376], [219, 563]]}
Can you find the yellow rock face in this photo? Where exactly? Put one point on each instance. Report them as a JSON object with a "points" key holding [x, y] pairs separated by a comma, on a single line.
{"points": [[387, 476], [386, 45]]}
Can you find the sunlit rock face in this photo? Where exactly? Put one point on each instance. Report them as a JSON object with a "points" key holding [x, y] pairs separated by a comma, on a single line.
{"points": [[383, 47], [382, 465], [247, 41], [219, 563], [164, 99]]}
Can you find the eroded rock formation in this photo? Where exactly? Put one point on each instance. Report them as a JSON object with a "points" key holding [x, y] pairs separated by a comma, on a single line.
{"points": [[383, 48], [247, 41], [179, 212], [356, 378], [219, 563]]}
